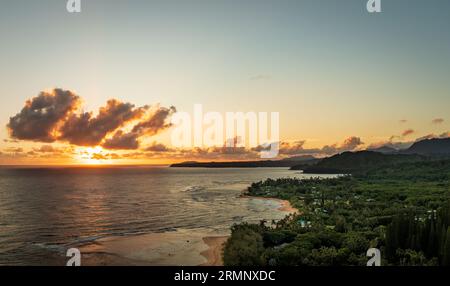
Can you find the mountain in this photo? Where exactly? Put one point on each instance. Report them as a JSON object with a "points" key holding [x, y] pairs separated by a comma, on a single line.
{"points": [[434, 146], [384, 149], [352, 162]]}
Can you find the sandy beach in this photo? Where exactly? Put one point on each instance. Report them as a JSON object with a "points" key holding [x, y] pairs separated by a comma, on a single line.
{"points": [[285, 206], [177, 248], [215, 249]]}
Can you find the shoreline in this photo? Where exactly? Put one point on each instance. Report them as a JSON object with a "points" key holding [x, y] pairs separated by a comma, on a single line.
{"points": [[170, 248], [214, 252], [285, 205], [216, 244]]}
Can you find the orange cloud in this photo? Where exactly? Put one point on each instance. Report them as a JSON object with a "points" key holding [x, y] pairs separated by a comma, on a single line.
{"points": [[156, 122], [54, 116], [86, 130], [407, 132]]}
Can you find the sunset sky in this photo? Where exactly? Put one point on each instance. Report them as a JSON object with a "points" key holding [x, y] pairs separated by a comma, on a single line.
{"points": [[341, 78]]}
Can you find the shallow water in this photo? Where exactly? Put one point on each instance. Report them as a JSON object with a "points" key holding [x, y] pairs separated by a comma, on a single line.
{"points": [[45, 211]]}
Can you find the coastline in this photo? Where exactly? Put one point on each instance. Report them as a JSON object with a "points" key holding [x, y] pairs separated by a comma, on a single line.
{"points": [[285, 205], [216, 244], [214, 252], [170, 248]]}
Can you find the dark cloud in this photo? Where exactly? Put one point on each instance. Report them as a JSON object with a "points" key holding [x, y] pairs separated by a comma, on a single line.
{"points": [[155, 122], [404, 134], [158, 147], [40, 117], [437, 121], [54, 116], [86, 130], [122, 141], [403, 121]]}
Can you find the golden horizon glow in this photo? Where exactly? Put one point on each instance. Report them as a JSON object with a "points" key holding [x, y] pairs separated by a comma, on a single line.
{"points": [[91, 156]]}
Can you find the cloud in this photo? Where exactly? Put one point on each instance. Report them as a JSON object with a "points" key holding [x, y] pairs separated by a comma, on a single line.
{"points": [[428, 136], [86, 130], [437, 121], [158, 147], [99, 156], [405, 145], [444, 135], [46, 149], [41, 115], [349, 144], [54, 116], [294, 148], [297, 147], [434, 136], [122, 141], [13, 150], [155, 122], [403, 121], [407, 132], [11, 140], [287, 149], [390, 144]]}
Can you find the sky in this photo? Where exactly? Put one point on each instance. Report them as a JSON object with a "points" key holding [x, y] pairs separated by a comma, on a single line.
{"points": [[340, 77]]}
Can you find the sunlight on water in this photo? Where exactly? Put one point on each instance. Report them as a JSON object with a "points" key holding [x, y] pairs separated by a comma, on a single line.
{"points": [[44, 211]]}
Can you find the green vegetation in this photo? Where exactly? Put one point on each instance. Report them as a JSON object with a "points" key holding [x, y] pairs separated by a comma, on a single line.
{"points": [[402, 209], [355, 162]]}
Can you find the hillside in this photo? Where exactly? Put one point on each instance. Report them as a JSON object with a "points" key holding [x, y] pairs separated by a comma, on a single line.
{"points": [[430, 147], [352, 162]]}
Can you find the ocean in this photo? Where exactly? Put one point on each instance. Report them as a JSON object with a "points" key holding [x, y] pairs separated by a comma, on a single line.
{"points": [[45, 211]]}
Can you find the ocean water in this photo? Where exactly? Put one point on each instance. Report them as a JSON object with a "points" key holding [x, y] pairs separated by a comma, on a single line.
{"points": [[45, 211]]}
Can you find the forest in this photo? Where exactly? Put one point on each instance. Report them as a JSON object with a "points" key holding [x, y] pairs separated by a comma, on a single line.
{"points": [[402, 209]]}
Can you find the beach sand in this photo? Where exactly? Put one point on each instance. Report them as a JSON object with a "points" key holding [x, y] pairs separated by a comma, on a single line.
{"points": [[177, 248], [285, 206], [214, 253]]}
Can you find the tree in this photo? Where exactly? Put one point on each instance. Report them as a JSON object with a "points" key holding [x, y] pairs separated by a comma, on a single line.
{"points": [[446, 254], [244, 248]]}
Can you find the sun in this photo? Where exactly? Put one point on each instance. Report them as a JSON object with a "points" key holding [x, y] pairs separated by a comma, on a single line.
{"points": [[91, 155]]}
